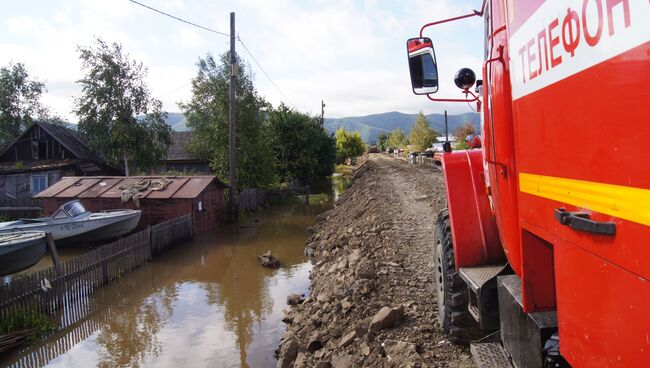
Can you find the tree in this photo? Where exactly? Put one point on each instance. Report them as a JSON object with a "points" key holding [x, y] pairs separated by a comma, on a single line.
{"points": [[382, 141], [461, 134], [117, 114], [348, 145], [301, 147], [422, 136], [20, 102], [207, 117], [397, 139]]}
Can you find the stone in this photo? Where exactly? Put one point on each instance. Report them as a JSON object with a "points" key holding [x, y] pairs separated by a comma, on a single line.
{"points": [[288, 353], [365, 349], [323, 365], [294, 299], [354, 257], [309, 252], [342, 361], [301, 361], [345, 304], [342, 264], [323, 297], [314, 344], [401, 353], [366, 270], [385, 318], [268, 260], [348, 339]]}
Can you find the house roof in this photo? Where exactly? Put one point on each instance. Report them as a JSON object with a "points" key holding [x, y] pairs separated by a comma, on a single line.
{"points": [[177, 151], [71, 140], [109, 186], [40, 165]]}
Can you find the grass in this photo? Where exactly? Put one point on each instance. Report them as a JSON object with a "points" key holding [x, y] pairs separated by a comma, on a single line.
{"points": [[29, 319], [344, 169]]}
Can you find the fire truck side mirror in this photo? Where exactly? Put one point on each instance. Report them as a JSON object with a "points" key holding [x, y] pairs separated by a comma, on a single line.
{"points": [[422, 65]]}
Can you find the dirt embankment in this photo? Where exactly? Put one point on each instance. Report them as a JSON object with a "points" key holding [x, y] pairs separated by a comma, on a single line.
{"points": [[373, 300]]}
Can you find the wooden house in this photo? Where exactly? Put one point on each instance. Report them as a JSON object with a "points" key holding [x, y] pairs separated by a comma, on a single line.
{"points": [[43, 155], [179, 160]]}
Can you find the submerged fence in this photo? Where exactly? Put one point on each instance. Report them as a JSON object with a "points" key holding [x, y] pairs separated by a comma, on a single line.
{"points": [[250, 200], [62, 290]]}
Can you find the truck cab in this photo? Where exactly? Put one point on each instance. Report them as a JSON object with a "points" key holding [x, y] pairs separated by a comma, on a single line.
{"points": [[547, 225]]}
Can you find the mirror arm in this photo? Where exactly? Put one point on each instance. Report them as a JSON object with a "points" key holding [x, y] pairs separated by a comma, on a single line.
{"points": [[474, 13], [466, 92]]}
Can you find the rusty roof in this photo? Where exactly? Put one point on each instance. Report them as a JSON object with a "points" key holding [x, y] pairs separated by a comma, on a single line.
{"points": [[109, 186]]}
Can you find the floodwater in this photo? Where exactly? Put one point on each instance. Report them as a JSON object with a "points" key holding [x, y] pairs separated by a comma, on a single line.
{"points": [[203, 304]]}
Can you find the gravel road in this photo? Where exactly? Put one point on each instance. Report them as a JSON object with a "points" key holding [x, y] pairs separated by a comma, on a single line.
{"points": [[372, 302]]}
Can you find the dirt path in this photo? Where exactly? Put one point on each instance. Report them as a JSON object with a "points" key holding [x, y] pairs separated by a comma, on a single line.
{"points": [[373, 298]]}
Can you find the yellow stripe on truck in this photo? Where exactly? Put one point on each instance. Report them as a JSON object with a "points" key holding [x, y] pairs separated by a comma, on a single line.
{"points": [[627, 203]]}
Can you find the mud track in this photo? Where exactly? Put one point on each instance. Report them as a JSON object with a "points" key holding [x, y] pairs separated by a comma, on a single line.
{"points": [[373, 299]]}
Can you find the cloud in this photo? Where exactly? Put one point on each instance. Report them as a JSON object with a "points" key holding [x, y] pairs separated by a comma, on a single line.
{"points": [[351, 54]]}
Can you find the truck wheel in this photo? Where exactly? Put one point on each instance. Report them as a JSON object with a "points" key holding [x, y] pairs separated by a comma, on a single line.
{"points": [[451, 290]]}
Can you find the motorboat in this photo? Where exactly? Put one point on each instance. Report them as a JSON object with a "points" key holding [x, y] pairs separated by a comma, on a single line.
{"points": [[20, 250], [72, 224]]}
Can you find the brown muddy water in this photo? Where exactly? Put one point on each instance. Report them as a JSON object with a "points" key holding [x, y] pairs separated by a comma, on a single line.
{"points": [[207, 303]]}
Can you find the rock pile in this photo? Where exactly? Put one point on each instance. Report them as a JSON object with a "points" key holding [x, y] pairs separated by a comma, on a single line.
{"points": [[372, 302]]}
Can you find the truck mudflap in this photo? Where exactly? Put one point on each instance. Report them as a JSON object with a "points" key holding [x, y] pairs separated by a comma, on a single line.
{"points": [[473, 228]]}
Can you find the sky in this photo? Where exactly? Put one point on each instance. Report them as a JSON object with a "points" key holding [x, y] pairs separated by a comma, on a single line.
{"points": [[351, 54]]}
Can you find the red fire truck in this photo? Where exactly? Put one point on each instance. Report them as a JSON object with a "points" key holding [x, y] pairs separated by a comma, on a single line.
{"points": [[546, 236]]}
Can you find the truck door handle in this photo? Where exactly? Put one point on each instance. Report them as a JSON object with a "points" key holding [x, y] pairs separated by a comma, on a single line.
{"points": [[581, 221]]}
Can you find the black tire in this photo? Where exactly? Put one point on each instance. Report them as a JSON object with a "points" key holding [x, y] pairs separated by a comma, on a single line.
{"points": [[451, 290]]}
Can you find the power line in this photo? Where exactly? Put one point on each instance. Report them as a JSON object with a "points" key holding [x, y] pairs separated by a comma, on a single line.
{"points": [[223, 34], [179, 19], [263, 71]]}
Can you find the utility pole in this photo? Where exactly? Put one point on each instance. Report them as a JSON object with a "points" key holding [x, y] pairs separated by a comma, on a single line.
{"points": [[232, 177], [446, 128], [322, 113], [446, 147]]}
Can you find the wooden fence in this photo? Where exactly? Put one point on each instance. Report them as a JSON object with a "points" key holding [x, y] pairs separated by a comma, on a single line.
{"points": [[20, 208], [62, 290], [26, 202], [170, 233]]}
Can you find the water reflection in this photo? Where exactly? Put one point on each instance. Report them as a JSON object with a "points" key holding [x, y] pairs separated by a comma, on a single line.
{"points": [[208, 303]]}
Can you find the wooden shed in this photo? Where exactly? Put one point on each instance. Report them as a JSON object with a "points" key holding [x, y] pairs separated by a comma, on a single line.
{"points": [[202, 196]]}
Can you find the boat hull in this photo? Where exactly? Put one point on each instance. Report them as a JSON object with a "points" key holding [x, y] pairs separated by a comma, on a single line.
{"points": [[21, 255], [102, 233], [95, 228]]}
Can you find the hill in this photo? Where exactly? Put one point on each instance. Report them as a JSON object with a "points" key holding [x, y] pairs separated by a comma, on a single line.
{"points": [[177, 121], [370, 125]]}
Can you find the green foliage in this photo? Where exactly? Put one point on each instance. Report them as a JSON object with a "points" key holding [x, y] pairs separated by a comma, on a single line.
{"points": [[302, 148], [348, 145], [422, 136], [27, 319], [116, 112], [20, 102], [207, 117], [397, 139], [461, 144], [382, 141]]}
